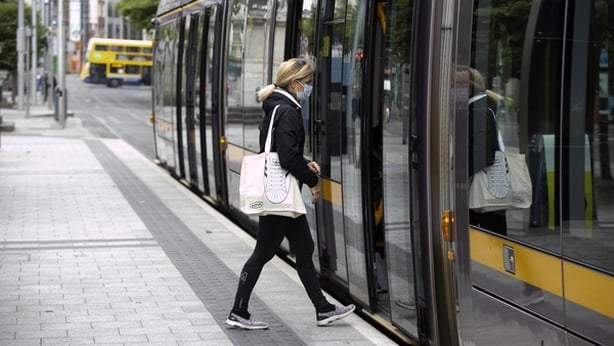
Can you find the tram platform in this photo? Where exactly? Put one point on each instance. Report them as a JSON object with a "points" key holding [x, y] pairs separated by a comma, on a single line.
{"points": [[99, 246]]}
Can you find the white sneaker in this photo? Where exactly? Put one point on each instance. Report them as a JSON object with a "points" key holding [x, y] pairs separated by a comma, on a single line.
{"points": [[340, 312], [237, 321], [406, 304], [535, 296]]}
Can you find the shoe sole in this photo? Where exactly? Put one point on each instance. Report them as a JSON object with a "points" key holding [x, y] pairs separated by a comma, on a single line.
{"points": [[405, 306], [235, 324], [332, 319]]}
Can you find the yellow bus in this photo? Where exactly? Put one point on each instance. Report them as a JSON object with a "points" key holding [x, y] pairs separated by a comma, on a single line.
{"points": [[117, 62]]}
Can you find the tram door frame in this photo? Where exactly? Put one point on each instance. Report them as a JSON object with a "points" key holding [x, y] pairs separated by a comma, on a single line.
{"points": [[364, 292], [188, 64]]}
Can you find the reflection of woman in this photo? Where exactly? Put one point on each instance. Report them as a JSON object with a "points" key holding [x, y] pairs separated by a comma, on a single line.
{"points": [[484, 140], [292, 84]]}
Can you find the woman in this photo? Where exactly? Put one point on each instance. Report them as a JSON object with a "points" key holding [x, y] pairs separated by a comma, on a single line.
{"points": [[484, 140], [292, 84]]}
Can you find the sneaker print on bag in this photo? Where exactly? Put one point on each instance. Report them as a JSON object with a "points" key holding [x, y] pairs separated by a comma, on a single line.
{"points": [[497, 177], [276, 180]]}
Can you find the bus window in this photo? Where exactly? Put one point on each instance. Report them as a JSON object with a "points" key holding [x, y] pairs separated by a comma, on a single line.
{"points": [[117, 48], [133, 69], [116, 68], [133, 49], [101, 47]]}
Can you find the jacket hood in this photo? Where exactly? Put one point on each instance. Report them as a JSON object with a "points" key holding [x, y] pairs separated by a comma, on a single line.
{"points": [[279, 96]]}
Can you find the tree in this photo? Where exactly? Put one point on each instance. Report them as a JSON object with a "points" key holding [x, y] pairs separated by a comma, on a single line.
{"points": [[8, 36], [138, 12]]}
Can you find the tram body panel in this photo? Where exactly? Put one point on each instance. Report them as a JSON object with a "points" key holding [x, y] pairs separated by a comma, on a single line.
{"points": [[548, 77]]}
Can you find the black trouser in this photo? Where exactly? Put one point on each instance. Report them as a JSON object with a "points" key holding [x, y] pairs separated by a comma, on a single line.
{"points": [[495, 221], [271, 231]]}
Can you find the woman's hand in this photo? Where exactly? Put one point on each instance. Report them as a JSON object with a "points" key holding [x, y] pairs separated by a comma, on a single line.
{"points": [[316, 192], [314, 167]]}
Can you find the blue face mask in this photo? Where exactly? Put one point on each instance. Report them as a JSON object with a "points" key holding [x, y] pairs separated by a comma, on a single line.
{"points": [[303, 95]]}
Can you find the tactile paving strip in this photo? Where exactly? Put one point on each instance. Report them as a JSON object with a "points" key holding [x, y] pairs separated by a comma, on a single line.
{"points": [[212, 281]]}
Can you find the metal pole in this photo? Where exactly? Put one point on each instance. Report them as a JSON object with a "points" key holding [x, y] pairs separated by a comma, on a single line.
{"points": [[85, 29], [28, 70], [20, 54], [34, 64], [49, 55], [61, 65]]}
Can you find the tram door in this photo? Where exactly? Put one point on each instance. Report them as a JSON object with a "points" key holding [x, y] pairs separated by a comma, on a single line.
{"points": [[362, 143], [200, 165], [189, 171]]}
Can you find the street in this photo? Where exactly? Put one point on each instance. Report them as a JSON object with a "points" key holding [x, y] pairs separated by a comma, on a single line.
{"points": [[113, 112]]}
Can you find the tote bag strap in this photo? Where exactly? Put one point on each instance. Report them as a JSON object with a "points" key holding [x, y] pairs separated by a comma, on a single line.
{"points": [[267, 143]]}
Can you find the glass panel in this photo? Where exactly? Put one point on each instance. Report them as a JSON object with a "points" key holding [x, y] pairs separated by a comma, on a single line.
{"points": [[235, 75], [198, 90], [547, 64], [306, 50], [165, 94], [185, 123], [397, 193], [352, 56], [210, 66], [588, 206], [514, 106], [584, 171], [133, 69], [253, 64]]}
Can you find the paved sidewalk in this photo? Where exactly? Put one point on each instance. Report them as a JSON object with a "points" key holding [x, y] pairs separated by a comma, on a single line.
{"points": [[77, 264], [99, 246]]}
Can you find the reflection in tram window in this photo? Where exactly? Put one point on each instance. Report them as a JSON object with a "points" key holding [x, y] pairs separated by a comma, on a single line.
{"points": [[550, 62]]}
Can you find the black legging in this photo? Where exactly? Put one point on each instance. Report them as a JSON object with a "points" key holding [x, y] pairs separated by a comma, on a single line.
{"points": [[271, 231]]}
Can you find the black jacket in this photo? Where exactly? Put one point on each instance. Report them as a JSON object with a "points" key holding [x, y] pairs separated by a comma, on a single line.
{"points": [[288, 135], [483, 131]]}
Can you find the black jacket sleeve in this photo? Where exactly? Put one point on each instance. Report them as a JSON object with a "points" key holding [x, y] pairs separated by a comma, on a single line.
{"points": [[482, 137], [289, 142]]}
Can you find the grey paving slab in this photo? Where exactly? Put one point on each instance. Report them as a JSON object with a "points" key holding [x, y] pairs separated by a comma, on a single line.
{"points": [[77, 257]]}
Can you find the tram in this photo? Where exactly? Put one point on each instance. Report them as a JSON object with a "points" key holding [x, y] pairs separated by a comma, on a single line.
{"points": [[389, 124]]}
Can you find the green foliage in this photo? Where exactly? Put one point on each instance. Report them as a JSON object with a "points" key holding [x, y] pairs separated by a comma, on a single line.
{"points": [[139, 12], [8, 39], [8, 32]]}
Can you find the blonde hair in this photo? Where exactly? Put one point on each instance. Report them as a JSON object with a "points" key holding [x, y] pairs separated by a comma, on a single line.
{"points": [[289, 71], [477, 84]]}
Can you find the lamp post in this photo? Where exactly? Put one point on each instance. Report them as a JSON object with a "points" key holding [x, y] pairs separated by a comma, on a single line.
{"points": [[34, 63], [21, 40], [61, 89]]}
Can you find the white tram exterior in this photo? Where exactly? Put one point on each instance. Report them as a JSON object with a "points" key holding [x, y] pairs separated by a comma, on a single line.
{"points": [[389, 124]]}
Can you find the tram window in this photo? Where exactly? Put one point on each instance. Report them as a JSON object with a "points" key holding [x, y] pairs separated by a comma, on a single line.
{"points": [[555, 112], [238, 91]]}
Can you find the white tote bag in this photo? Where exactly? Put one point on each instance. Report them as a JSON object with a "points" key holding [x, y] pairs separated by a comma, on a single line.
{"points": [[522, 189], [506, 184], [265, 187]]}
